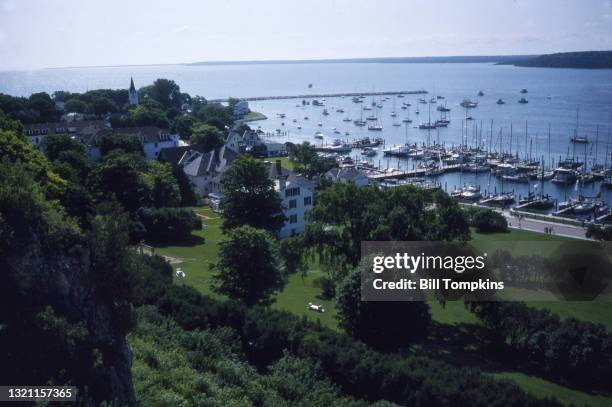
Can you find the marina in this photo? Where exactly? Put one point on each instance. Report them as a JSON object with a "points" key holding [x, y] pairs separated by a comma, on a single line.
{"points": [[517, 165]]}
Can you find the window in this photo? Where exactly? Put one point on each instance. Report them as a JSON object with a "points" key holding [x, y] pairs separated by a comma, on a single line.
{"points": [[293, 219], [292, 204], [307, 200], [292, 191]]}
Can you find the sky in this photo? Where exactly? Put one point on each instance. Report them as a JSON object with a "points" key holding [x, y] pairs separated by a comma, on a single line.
{"points": [[59, 33]]}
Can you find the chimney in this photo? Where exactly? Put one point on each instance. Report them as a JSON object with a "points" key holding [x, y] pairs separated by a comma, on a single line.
{"points": [[282, 182], [279, 168]]}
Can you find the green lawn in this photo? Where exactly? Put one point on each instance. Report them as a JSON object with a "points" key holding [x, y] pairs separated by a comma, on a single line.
{"points": [[542, 388], [197, 255], [285, 162], [253, 116]]}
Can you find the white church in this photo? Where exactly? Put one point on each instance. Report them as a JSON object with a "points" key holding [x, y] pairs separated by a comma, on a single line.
{"points": [[132, 93]]}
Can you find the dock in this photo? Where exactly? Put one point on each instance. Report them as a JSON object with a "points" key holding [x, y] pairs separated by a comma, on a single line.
{"points": [[409, 173], [327, 95]]}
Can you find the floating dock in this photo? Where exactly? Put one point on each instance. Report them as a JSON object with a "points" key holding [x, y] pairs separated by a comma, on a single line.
{"points": [[409, 174]]}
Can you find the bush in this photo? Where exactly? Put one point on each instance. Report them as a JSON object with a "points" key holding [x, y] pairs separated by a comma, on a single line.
{"points": [[376, 322], [488, 221], [599, 232], [573, 351], [168, 224], [359, 371]]}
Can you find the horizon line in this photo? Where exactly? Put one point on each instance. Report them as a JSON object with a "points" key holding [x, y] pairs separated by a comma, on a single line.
{"points": [[286, 61]]}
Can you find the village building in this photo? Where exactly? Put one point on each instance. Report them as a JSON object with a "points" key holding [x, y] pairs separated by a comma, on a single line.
{"points": [[347, 174], [297, 195], [241, 109], [87, 132], [153, 139], [205, 170], [132, 93]]}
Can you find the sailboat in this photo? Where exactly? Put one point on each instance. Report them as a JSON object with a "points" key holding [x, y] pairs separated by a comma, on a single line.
{"points": [[393, 114], [576, 138], [407, 119], [360, 122], [376, 126], [538, 200], [429, 125]]}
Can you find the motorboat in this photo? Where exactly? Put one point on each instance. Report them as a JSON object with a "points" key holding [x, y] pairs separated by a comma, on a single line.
{"points": [[468, 104]]}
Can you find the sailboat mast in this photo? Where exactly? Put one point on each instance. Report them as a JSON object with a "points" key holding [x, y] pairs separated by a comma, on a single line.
{"points": [[525, 139], [549, 162]]}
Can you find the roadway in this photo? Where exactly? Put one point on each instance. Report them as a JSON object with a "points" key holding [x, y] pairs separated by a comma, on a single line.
{"points": [[541, 226]]}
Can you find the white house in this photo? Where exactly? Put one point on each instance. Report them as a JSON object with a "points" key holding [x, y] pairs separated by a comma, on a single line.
{"points": [[241, 109], [205, 170], [297, 195], [239, 142], [346, 174], [88, 132], [153, 139]]}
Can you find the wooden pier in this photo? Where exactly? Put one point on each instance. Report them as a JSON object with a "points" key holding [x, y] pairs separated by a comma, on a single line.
{"points": [[408, 174], [327, 95]]}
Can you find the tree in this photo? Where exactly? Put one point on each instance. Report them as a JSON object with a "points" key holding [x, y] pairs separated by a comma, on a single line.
{"points": [[76, 105], [489, 221], [168, 224], [188, 195], [249, 197], [214, 114], [55, 144], [247, 269], [16, 148], [306, 160], [183, 125], [291, 251], [162, 185], [127, 143], [164, 91], [205, 137], [385, 325], [43, 104], [599, 232], [149, 114], [119, 175], [102, 105]]}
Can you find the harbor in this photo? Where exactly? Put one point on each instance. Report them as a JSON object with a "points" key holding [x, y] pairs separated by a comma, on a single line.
{"points": [[431, 140]]}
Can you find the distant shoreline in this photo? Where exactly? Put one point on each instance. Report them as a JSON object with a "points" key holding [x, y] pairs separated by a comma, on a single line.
{"points": [[580, 60], [426, 59]]}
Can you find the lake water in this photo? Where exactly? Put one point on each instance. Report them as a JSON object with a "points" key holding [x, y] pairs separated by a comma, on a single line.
{"points": [[554, 97]]}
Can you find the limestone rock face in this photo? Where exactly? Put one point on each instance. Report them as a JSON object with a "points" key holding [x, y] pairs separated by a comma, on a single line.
{"points": [[40, 278]]}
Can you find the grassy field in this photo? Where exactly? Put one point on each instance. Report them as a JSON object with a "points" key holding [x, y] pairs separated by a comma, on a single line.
{"points": [[285, 162], [196, 256], [543, 388], [253, 116]]}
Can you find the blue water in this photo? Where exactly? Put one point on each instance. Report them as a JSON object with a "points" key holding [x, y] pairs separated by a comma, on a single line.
{"points": [[590, 90]]}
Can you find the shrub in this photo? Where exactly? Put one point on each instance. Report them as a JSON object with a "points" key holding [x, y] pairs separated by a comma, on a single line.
{"points": [[168, 224]]}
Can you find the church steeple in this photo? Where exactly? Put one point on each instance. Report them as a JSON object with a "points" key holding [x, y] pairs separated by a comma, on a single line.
{"points": [[132, 93]]}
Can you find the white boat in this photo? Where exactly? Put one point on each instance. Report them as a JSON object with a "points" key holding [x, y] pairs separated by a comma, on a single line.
{"points": [[468, 104]]}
